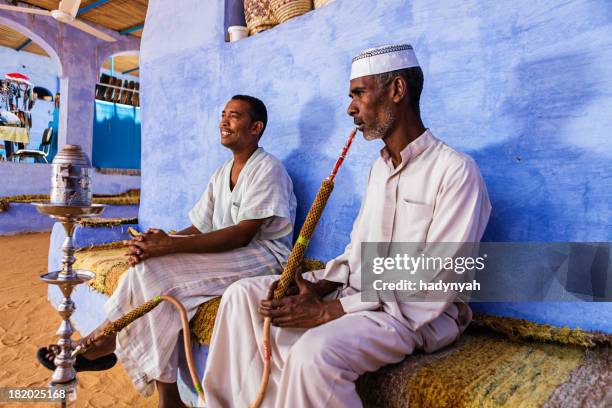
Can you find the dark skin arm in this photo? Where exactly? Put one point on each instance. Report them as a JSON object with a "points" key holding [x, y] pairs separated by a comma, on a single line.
{"points": [[306, 308], [156, 242], [190, 230]]}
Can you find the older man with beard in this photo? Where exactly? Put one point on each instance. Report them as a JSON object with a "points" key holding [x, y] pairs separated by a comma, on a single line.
{"points": [[324, 336]]}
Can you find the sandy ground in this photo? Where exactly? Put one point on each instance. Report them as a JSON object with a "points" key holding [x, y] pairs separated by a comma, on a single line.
{"points": [[28, 321]]}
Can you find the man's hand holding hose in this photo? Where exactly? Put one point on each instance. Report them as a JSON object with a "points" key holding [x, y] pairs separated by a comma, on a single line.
{"points": [[303, 306]]}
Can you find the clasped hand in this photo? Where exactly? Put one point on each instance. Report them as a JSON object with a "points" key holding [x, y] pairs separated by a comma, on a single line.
{"points": [[301, 307], [154, 242]]}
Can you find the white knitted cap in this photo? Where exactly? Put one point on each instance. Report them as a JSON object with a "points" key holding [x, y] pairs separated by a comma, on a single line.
{"points": [[383, 59]]}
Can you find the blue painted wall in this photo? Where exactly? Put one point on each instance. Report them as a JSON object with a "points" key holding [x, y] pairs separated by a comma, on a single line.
{"points": [[116, 136], [522, 86]]}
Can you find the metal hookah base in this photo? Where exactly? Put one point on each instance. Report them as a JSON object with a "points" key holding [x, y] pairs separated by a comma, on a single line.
{"points": [[56, 278]]}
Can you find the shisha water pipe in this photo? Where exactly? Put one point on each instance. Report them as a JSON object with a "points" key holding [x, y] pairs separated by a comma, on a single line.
{"points": [[295, 259], [70, 201]]}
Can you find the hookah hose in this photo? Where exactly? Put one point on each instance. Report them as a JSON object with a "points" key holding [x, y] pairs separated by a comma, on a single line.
{"points": [[295, 259], [118, 325]]}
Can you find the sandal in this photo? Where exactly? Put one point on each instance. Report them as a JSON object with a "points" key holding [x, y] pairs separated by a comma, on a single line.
{"points": [[81, 364]]}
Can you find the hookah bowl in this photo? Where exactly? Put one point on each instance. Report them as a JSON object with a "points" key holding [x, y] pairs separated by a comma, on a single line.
{"points": [[71, 197]]}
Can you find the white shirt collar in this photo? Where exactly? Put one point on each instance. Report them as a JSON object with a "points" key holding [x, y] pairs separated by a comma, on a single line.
{"points": [[412, 150]]}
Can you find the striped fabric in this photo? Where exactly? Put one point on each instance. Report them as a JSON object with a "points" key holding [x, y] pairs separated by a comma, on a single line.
{"points": [[148, 347]]}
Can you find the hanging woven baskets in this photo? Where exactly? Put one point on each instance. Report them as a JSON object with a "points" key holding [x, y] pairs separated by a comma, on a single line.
{"points": [[321, 3], [287, 9], [258, 15]]}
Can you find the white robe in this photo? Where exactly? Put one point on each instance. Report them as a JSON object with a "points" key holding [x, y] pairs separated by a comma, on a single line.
{"points": [[148, 347], [435, 195], [263, 189]]}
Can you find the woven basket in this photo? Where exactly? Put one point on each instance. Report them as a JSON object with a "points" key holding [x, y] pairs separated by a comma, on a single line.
{"points": [[321, 3], [287, 9], [258, 15]]}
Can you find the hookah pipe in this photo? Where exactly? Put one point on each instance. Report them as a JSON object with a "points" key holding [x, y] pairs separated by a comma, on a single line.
{"points": [[295, 259], [116, 326], [288, 275]]}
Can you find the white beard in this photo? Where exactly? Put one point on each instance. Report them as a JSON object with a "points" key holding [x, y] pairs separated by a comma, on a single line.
{"points": [[383, 129], [371, 136]]}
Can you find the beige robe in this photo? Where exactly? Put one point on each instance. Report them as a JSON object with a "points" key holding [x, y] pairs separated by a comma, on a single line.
{"points": [[435, 195]]}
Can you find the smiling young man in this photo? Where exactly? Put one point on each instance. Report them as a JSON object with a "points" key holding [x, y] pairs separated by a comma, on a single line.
{"points": [[324, 336], [241, 227]]}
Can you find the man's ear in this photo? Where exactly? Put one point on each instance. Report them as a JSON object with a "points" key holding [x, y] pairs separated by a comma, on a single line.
{"points": [[399, 89], [258, 127]]}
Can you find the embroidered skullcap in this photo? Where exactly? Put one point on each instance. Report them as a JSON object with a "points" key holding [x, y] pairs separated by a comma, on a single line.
{"points": [[383, 59]]}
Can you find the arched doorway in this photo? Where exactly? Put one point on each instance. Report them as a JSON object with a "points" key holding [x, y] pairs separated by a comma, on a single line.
{"points": [[30, 75]]}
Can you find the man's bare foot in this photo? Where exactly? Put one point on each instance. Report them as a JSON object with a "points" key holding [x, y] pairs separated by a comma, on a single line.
{"points": [[99, 348], [48, 355]]}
